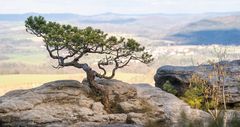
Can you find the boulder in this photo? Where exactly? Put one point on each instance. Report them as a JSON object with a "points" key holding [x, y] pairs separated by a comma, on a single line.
{"points": [[69, 103], [117, 92], [59, 103], [170, 105], [180, 78]]}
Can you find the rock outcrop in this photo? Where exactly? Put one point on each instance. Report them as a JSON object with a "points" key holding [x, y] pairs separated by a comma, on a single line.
{"points": [[172, 107], [180, 78], [70, 103]]}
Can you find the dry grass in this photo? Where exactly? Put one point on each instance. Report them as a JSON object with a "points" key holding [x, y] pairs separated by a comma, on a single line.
{"points": [[26, 81]]}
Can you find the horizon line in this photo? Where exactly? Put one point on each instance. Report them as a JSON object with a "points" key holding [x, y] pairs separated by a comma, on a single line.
{"points": [[105, 13]]}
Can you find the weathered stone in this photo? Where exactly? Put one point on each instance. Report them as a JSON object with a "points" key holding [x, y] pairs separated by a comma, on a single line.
{"points": [[85, 102], [180, 77], [170, 105], [232, 115], [63, 103], [136, 118], [52, 103], [135, 105], [98, 108], [108, 118], [117, 92], [94, 124], [69, 103]]}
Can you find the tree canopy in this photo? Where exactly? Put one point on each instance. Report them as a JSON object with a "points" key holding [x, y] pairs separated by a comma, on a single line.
{"points": [[68, 44]]}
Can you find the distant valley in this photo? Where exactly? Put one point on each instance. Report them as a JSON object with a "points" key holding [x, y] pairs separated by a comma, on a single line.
{"points": [[172, 38], [158, 28]]}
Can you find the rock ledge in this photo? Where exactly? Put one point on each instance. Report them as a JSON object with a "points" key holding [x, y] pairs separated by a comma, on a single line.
{"points": [[69, 103]]}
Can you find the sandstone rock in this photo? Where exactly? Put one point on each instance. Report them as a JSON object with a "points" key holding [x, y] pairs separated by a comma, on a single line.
{"points": [[85, 102], [93, 124], [68, 103], [136, 118], [108, 118], [180, 78], [232, 115], [64, 103], [135, 105], [117, 92], [170, 105], [52, 103], [145, 118], [98, 108]]}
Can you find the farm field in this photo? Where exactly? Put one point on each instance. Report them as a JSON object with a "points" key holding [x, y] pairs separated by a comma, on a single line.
{"points": [[26, 81]]}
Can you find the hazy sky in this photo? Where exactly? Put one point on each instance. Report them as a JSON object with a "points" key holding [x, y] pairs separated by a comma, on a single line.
{"points": [[89, 7]]}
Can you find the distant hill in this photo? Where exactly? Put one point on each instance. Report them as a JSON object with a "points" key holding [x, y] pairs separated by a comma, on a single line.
{"points": [[151, 29], [208, 37], [162, 34], [220, 30], [102, 18]]}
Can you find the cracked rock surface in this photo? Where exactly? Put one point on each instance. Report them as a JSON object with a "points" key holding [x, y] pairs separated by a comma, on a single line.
{"points": [[69, 103]]}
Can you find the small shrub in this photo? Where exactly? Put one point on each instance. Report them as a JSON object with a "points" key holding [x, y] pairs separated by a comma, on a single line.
{"points": [[199, 95], [167, 86], [194, 95]]}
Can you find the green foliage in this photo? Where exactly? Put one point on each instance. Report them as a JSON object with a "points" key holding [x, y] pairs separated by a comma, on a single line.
{"points": [[199, 95], [167, 86], [83, 40], [194, 96], [68, 44]]}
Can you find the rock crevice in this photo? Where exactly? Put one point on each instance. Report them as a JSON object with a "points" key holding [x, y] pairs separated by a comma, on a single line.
{"points": [[69, 103]]}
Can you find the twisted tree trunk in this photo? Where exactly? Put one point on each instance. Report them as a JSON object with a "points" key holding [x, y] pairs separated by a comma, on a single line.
{"points": [[97, 89]]}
